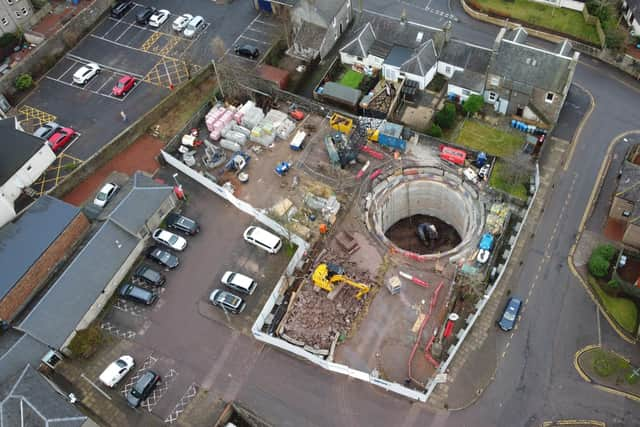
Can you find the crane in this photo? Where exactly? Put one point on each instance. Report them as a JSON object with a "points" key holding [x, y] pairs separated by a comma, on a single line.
{"points": [[325, 275]]}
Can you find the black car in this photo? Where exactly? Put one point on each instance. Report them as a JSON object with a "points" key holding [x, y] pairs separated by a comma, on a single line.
{"points": [[137, 294], [121, 8], [163, 257], [182, 223], [149, 276], [143, 16], [142, 388], [247, 50]]}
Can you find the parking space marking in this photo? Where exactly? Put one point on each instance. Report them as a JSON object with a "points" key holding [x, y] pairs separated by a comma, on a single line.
{"points": [[159, 392], [153, 38], [256, 41], [184, 401], [168, 71], [63, 165], [128, 307], [31, 118], [115, 331]]}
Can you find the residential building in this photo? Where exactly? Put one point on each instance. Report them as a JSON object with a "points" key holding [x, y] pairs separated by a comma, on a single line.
{"points": [[528, 82], [23, 158], [631, 14], [317, 26], [36, 244], [14, 15], [465, 67], [625, 206]]}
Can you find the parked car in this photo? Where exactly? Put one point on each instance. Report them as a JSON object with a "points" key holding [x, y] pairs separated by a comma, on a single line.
{"points": [[143, 15], [124, 85], [158, 18], [121, 8], [169, 239], [239, 282], [105, 194], [163, 257], [137, 294], [510, 314], [247, 50], [149, 276], [182, 223], [142, 388], [61, 138], [227, 301], [46, 130], [86, 73], [263, 239], [484, 172], [181, 22], [116, 371], [194, 26]]}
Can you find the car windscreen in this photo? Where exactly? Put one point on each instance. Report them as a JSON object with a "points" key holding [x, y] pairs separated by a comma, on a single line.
{"points": [[101, 196], [163, 256], [121, 363], [510, 316], [173, 239]]}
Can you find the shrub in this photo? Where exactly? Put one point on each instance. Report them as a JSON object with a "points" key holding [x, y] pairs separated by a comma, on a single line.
{"points": [[435, 131], [446, 117], [598, 266], [24, 81], [86, 342], [607, 252], [473, 104], [9, 39], [613, 284]]}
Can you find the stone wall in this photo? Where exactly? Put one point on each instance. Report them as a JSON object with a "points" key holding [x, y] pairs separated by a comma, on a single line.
{"points": [[46, 266]]}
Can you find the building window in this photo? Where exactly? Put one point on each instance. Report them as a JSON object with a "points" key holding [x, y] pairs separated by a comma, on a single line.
{"points": [[28, 168], [4, 21], [9, 1], [334, 22], [549, 97], [25, 12], [17, 14], [466, 92], [359, 58], [447, 69], [492, 96], [494, 81]]}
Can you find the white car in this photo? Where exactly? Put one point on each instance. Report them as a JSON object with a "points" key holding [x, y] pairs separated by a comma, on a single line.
{"points": [[239, 282], [470, 175], [86, 73], [181, 22], [116, 371], [194, 26], [169, 239], [158, 18], [105, 194]]}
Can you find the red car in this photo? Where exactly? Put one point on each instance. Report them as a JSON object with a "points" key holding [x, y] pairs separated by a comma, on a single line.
{"points": [[60, 138], [125, 84]]}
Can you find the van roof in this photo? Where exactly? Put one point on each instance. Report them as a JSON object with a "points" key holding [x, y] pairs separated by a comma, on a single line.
{"points": [[264, 236]]}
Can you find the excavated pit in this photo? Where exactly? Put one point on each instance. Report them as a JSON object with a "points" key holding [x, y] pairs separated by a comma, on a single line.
{"points": [[397, 204]]}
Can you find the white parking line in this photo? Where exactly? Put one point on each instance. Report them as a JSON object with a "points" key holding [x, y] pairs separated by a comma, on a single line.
{"points": [[75, 138], [254, 40], [103, 66], [85, 89], [67, 70], [266, 23], [123, 33]]}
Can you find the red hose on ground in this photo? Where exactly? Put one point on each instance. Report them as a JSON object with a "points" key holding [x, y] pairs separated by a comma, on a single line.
{"points": [[427, 355], [434, 298]]}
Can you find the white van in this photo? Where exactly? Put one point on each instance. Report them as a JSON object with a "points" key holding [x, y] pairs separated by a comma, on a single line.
{"points": [[263, 239]]}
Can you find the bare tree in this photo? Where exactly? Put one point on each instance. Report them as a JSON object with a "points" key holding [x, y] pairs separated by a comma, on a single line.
{"points": [[518, 167]]}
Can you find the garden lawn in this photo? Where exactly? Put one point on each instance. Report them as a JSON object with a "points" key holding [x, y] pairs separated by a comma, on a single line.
{"points": [[496, 142], [352, 79], [623, 310], [561, 20], [500, 182]]}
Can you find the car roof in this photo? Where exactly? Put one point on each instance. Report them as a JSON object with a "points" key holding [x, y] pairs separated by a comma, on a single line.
{"points": [[264, 236], [107, 186], [241, 279], [514, 302]]}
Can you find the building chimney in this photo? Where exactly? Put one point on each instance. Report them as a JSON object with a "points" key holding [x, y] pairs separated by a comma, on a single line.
{"points": [[403, 17], [447, 31], [496, 43]]}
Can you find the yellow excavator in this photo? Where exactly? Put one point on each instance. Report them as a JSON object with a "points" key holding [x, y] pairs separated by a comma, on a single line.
{"points": [[325, 275]]}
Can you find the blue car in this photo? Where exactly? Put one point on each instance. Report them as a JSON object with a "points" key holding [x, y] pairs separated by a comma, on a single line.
{"points": [[510, 314]]}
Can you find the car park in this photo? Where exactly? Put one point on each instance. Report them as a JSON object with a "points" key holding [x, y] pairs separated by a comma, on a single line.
{"points": [[158, 18], [121, 8], [105, 194], [169, 239], [116, 371], [263, 239], [247, 50], [124, 85], [181, 22], [144, 14], [194, 26], [163, 257], [148, 275], [137, 294], [510, 314], [46, 130], [61, 138], [182, 223], [239, 282], [142, 388], [227, 301], [86, 73]]}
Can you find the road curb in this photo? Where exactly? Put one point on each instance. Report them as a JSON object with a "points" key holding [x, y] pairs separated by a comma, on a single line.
{"points": [[578, 133]]}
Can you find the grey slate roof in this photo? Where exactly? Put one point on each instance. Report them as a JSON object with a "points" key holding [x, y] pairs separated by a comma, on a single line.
{"points": [[16, 148], [634, 5], [518, 35], [466, 56], [468, 80], [395, 32], [423, 60], [17, 350], [398, 56], [530, 66], [141, 203], [25, 239], [361, 45], [310, 35], [32, 401], [62, 307], [564, 48], [629, 188], [327, 8], [345, 93]]}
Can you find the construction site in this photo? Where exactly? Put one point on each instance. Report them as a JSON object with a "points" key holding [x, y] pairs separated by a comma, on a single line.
{"points": [[403, 238]]}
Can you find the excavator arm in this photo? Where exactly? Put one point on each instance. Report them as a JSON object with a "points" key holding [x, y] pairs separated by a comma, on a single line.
{"points": [[323, 279], [363, 289]]}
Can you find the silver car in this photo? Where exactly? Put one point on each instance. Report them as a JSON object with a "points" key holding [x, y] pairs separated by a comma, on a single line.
{"points": [[46, 130]]}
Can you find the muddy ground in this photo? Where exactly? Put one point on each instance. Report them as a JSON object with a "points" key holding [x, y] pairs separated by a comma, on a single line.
{"points": [[404, 234]]}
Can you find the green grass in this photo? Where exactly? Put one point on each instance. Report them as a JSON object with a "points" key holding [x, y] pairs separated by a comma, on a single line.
{"points": [[607, 363], [492, 141], [623, 310], [557, 19], [351, 79], [499, 181]]}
